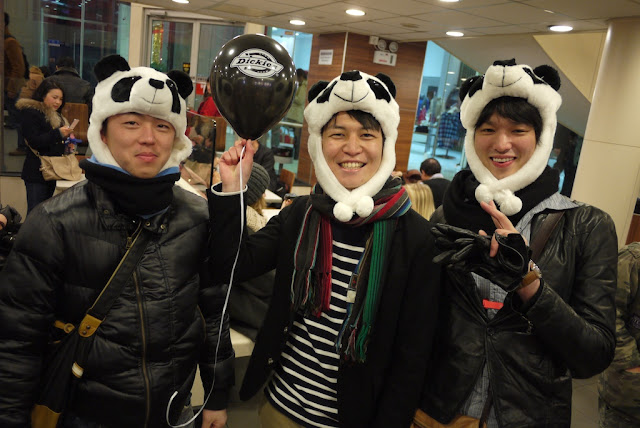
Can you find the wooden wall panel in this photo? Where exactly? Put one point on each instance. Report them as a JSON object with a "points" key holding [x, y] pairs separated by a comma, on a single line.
{"points": [[407, 76]]}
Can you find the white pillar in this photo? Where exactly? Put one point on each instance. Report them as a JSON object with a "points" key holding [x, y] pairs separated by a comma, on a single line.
{"points": [[608, 175]]}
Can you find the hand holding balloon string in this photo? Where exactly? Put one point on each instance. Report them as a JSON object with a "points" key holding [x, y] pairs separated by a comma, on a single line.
{"points": [[234, 162]]}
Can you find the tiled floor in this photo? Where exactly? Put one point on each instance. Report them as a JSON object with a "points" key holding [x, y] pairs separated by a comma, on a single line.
{"points": [[584, 409]]}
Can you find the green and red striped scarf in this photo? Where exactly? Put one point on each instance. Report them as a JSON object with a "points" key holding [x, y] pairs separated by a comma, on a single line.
{"points": [[311, 282]]}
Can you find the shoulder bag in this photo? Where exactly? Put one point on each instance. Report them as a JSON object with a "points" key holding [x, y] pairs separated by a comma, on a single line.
{"points": [[64, 167], [65, 366]]}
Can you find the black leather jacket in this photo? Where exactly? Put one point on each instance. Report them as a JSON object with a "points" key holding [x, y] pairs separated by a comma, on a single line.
{"points": [[532, 350], [154, 335]]}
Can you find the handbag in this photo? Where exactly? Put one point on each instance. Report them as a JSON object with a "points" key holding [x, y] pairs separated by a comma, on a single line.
{"points": [[65, 167], [67, 357]]}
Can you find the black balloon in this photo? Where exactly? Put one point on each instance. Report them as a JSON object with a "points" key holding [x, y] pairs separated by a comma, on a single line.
{"points": [[253, 80]]}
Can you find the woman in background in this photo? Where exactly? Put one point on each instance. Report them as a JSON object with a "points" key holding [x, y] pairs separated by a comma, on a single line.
{"points": [[44, 129], [421, 199]]}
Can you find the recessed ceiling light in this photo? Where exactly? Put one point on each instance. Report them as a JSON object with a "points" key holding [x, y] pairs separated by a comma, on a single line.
{"points": [[297, 22], [181, 1], [449, 1], [455, 33], [450, 72], [560, 28], [355, 12]]}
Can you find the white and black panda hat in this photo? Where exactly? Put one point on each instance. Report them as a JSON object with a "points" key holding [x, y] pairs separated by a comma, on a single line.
{"points": [[143, 90], [505, 78], [353, 90]]}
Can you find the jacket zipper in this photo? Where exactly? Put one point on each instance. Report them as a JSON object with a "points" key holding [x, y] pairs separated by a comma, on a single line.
{"points": [[145, 374], [204, 324]]}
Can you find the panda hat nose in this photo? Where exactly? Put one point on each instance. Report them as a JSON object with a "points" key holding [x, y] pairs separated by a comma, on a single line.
{"points": [[351, 75], [158, 84]]}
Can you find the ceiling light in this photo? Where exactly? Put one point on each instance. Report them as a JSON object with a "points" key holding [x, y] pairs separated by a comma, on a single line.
{"points": [[455, 33], [560, 28], [355, 12], [181, 1], [297, 22], [449, 1], [450, 72]]}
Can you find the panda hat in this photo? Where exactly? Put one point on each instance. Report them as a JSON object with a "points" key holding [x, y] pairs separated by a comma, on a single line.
{"points": [[353, 90], [505, 78], [143, 90]]}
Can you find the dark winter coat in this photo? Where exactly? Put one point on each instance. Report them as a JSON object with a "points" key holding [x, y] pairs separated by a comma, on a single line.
{"points": [[532, 350], [384, 391], [40, 127], [76, 89], [165, 321]]}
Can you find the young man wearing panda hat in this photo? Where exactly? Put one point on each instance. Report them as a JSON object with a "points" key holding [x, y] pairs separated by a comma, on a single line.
{"points": [[517, 330], [349, 328], [164, 322]]}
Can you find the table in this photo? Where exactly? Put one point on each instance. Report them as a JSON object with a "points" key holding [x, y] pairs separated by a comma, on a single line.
{"points": [[62, 185], [272, 198]]}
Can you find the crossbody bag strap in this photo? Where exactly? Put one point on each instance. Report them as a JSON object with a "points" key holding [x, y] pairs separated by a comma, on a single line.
{"points": [[35, 152], [98, 311], [542, 235]]}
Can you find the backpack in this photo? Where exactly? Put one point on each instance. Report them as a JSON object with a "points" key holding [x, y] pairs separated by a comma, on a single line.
{"points": [[24, 57]]}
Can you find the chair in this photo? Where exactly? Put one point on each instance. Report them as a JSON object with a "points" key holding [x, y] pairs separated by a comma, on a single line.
{"points": [[287, 178], [78, 111]]}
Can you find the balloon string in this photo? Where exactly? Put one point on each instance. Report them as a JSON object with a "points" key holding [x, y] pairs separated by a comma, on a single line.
{"points": [[224, 311]]}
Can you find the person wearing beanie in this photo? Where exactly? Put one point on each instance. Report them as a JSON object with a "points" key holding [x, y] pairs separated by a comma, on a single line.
{"points": [[165, 322], [347, 335], [529, 275]]}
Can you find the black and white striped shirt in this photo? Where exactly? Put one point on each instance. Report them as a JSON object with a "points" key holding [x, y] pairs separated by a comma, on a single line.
{"points": [[304, 385]]}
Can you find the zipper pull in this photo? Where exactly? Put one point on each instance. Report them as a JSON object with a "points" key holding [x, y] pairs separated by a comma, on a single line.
{"points": [[129, 242]]}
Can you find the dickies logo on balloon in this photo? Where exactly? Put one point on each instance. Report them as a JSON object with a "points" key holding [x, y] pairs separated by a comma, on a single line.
{"points": [[257, 63]]}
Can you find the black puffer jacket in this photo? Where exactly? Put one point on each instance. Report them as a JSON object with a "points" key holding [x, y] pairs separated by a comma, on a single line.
{"points": [[39, 125], [532, 353], [154, 335]]}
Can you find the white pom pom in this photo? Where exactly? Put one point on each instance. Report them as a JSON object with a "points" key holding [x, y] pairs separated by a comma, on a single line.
{"points": [[483, 193], [364, 206], [509, 203], [342, 212]]}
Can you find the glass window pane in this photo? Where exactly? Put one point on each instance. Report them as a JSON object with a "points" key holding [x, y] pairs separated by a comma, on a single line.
{"points": [[170, 45]]}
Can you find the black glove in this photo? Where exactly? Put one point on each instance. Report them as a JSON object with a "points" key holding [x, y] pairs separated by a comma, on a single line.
{"points": [[467, 251]]}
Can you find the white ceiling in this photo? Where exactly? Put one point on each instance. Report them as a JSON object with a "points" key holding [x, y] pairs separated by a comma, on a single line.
{"points": [[416, 20]]}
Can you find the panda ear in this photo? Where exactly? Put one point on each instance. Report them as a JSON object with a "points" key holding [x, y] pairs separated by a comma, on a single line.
{"points": [[183, 81], [109, 65], [466, 86], [316, 89], [549, 74], [388, 82]]}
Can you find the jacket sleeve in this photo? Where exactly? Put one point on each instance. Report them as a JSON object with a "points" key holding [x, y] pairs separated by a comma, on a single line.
{"points": [[217, 355], [28, 286], [583, 325], [32, 130], [627, 355], [258, 252], [413, 340]]}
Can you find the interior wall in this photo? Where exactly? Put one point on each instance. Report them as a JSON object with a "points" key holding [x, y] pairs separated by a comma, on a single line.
{"points": [[358, 55], [577, 55]]}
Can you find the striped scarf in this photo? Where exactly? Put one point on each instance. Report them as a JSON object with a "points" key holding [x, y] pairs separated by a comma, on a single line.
{"points": [[311, 282]]}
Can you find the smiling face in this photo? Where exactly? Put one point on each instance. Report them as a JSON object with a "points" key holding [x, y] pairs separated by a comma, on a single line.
{"points": [[352, 152], [503, 145], [141, 144], [53, 99]]}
